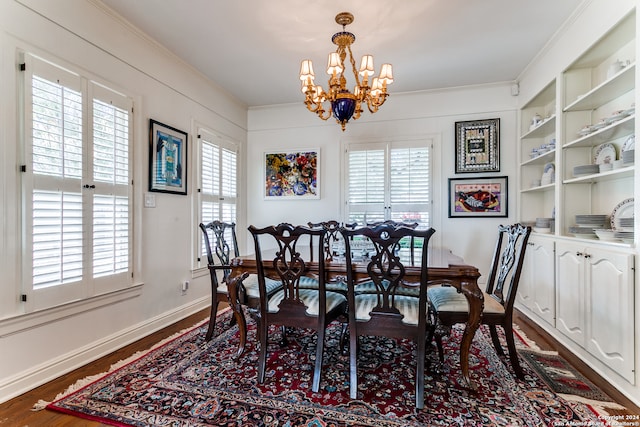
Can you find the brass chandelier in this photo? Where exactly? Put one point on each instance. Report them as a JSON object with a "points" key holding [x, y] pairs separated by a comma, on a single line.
{"points": [[344, 104]]}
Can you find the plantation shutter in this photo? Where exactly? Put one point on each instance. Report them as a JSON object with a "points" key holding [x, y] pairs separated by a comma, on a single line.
{"points": [[389, 181], [112, 216], [76, 187], [410, 184], [366, 186], [56, 165], [218, 183]]}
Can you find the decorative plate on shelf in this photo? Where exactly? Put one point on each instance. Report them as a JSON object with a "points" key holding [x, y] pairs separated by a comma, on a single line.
{"points": [[549, 174], [629, 144], [624, 209], [605, 153]]}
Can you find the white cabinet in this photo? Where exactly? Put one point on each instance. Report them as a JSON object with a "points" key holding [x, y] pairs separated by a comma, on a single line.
{"points": [[595, 302], [537, 283]]}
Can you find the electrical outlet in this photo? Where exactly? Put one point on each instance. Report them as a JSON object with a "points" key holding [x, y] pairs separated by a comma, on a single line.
{"points": [[185, 286]]}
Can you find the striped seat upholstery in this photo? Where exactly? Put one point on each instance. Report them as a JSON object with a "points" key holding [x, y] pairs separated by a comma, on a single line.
{"points": [[406, 305], [310, 298], [370, 288], [312, 283], [251, 286], [448, 299]]}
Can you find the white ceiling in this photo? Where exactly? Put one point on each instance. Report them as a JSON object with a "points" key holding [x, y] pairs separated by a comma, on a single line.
{"points": [[253, 48]]}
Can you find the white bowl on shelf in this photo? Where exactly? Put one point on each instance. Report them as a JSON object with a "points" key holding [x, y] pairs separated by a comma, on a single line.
{"points": [[606, 235]]}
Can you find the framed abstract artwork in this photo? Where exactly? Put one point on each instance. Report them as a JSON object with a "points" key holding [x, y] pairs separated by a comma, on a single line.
{"points": [[478, 146], [478, 197], [292, 174], [167, 159]]}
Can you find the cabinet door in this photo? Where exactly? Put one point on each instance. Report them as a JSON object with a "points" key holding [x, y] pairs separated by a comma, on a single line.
{"points": [[543, 283], [524, 297], [610, 313], [570, 291]]}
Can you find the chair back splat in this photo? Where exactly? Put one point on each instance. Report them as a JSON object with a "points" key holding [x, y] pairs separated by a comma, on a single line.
{"points": [[332, 236], [384, 308], [294, 305]]}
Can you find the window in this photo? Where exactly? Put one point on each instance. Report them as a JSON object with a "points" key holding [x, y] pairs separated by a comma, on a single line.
{"points": [[217, 189], [76, 186], [389, 181]]}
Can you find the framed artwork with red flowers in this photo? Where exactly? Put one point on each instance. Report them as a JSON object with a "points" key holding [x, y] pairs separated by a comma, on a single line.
{"points": [[292, 174]]}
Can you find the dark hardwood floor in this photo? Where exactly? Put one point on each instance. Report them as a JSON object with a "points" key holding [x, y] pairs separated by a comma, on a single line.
{"points": [[17, 412]]}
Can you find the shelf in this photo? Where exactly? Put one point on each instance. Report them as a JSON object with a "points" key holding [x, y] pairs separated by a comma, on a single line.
{"points": [[619, 84], [597, 242], [542, 159], [615, 129], [624, 172], [547, 127], [539, 189]]}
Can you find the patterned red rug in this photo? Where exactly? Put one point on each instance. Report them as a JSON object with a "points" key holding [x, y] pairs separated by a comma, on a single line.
{"points": [[187, 381]]}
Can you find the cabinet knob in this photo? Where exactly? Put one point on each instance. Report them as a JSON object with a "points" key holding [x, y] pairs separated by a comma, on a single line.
{"points": [[587, 256], [579, 253]]}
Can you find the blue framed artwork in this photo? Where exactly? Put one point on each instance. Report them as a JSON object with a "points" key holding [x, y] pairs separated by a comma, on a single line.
{"points": [[167, 159]]}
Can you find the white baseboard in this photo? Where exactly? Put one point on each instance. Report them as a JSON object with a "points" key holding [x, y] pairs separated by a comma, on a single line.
{"points": [[27, 380]]}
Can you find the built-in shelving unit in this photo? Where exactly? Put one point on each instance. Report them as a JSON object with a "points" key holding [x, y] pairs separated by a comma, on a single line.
{"points": [[588, 104]]}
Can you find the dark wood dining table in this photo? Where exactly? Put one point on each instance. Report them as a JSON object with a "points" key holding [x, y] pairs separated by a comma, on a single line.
{"points": [[444, 267]]}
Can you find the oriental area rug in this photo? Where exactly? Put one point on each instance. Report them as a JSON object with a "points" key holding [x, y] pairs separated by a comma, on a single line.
{"points": [[187, 381]]}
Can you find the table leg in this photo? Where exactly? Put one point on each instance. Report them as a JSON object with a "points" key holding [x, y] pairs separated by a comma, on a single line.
{"points": [[476, 303], [233, 282]]}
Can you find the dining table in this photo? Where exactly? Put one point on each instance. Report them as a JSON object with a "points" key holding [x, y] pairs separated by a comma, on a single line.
{"points": [[444, 268]]}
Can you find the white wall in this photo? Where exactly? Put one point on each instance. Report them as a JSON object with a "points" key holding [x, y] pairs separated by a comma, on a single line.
{"points": [[428, 114], [37, 347]]}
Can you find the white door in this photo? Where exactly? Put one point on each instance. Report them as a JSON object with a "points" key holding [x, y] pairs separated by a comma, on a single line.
{"points": [[570, 291], [543, 284], [610, 314]]}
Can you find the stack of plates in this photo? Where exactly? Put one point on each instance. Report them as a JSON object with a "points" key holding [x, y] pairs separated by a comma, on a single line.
{"points": [[627, 223], [628, 156], [591, 221], [543, 225], [625, 236], [586, 170], [583, 232]]}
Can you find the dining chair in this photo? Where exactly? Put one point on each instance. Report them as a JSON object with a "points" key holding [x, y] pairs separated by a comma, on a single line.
{"points": [[293, 306], [386, 312], [219, 241], [451, 307]]}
